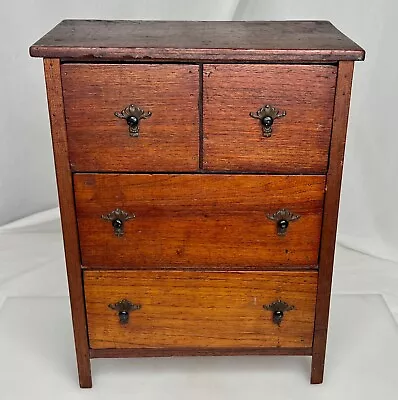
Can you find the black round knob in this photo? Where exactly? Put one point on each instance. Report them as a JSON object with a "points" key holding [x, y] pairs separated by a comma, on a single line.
{"points": [[117, 223], [124, 317], [283, 224], [278, 314], [267, 121], [132, 120]]}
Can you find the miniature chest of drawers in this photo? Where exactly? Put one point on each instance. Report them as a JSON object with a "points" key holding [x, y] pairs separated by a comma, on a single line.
{"points": [[199, 168]]}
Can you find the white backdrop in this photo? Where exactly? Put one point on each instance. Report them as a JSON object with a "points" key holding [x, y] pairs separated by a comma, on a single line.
{"points": [[368, 218]]}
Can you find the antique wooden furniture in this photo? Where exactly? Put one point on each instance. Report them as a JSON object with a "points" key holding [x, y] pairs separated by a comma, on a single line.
{"points": [[198, 168]]}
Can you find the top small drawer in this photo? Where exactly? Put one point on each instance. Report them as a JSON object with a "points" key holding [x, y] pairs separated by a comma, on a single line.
{"points": [[165, 139], [242, 134]]}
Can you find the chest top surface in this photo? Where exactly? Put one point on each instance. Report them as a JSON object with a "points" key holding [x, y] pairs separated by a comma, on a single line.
{"points": [[266, 41]]}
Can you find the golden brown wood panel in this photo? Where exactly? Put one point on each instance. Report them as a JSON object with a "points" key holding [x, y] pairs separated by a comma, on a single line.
{"points": [[233, 141], [99, 141], [200, 309], [198, 220]]}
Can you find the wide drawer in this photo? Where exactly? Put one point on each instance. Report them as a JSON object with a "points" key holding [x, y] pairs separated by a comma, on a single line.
{"points": [[98, 140], [196, 309], [220, 221], [294, 143]]}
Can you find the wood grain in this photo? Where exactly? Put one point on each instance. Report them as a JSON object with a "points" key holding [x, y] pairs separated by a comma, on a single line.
{"points": [[212, 221], [228, 41], [233, 141], [99, 141], [200, 256], [197, 309], [204, 351], [329, 227], [68, 218]]}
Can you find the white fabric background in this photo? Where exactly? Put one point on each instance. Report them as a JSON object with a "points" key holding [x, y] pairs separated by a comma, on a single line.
{"points": [[31, 254], [368, 220]]}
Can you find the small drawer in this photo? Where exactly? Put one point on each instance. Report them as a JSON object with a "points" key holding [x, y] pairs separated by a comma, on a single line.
{"points": [[268, 118], [172, 309], [155, 127], [212, 221]]}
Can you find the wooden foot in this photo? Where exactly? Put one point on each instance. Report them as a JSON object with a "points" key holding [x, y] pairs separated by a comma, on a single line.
{"points": [[86, 382], [84, 368], [317, 368], [83, 362]]}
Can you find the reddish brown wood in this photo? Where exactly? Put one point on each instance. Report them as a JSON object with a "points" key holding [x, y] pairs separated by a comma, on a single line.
{"points": [[207, 269], [199, 309], [192, 233], [329, 227], [262, 41], [194, 351], [214, 221], [234, 141], [68, 218], [99, 141]]}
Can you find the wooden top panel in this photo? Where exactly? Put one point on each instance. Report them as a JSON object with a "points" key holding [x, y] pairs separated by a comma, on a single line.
{"points": [[197, 40]]}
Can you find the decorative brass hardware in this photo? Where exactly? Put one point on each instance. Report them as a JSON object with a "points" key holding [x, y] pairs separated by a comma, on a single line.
{"points": [[133, 114], [124, 308], [282, 218], [267, 115], [118, 218], [278, 309]]}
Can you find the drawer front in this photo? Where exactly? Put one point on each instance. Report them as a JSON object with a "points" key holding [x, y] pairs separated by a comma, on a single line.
{"points": [[294, 143], [98, 140], [195, 309], [187, 221]]}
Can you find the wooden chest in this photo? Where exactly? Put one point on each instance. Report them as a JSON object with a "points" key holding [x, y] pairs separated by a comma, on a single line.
{"points": [[199, 168]]}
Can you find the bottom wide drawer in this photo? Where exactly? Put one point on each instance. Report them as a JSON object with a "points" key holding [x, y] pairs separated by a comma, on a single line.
{"points": [[174, 309]]}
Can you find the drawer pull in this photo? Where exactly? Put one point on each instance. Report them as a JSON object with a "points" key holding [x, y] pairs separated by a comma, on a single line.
{"points": [[133, 114], [282, 219], [278, 309], [267, 115], [124, 308], [118, 218]]}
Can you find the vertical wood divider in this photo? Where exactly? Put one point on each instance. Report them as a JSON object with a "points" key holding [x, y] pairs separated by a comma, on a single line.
{"points": [[52, 71], [330, 216]]}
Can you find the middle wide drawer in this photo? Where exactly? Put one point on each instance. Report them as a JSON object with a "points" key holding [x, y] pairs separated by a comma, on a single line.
{"points": [[192, 220]]}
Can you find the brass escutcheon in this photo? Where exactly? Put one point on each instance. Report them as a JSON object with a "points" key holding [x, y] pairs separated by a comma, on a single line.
{"points": [[118, 218], [267, 115], [278, 309], [133, 114], [124, 308]]}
